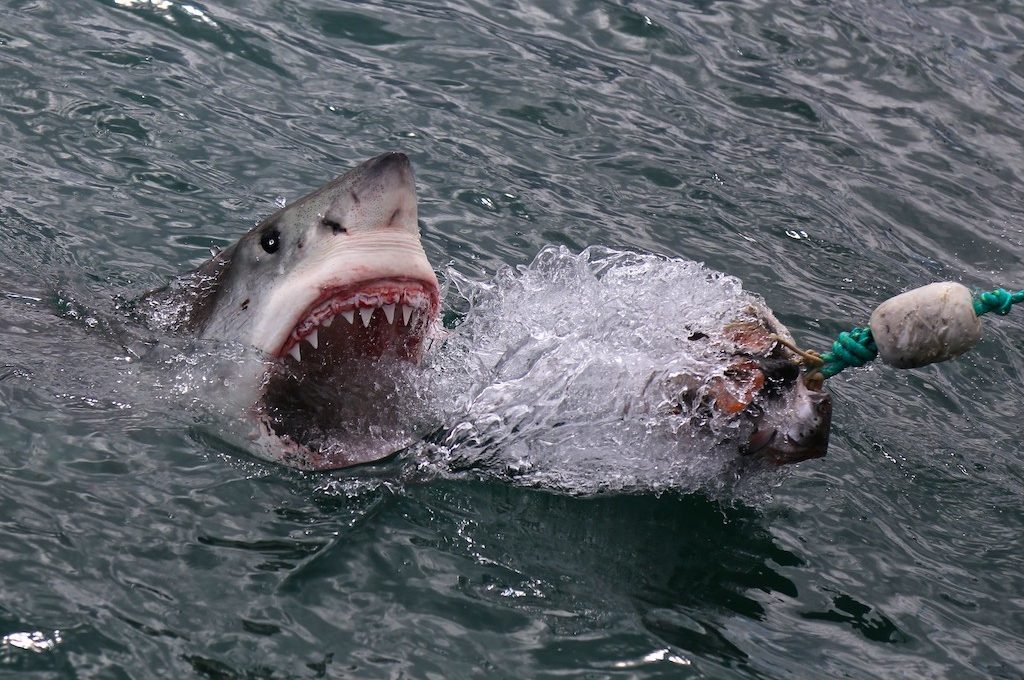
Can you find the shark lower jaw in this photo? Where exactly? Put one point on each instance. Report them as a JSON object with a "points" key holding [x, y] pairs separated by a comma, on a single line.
{"points": [[340, 410], [314, 451], [341, 391]]}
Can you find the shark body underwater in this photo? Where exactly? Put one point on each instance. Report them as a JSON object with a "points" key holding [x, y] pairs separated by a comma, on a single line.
{"points": [[337, 284]]}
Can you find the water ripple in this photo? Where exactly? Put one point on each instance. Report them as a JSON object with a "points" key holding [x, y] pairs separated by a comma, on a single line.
{"points": [[828, 154]]}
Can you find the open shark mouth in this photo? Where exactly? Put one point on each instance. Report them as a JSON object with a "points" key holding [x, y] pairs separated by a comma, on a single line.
{"points": [[343, 392]]}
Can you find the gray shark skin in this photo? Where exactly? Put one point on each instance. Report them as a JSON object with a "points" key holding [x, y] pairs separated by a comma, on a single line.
{"points": [[330, 283]]}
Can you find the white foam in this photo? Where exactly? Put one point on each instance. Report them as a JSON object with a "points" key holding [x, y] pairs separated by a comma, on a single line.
{"points": [[559, 375]]}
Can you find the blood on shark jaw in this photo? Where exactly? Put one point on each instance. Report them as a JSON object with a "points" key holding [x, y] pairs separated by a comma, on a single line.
{"points": [[355, 279]]}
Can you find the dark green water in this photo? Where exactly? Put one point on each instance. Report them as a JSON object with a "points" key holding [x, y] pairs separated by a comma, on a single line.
{"points": [[828, 154]]}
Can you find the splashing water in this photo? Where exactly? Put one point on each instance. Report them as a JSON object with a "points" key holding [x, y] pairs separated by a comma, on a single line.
{"points": [[565, 374]]}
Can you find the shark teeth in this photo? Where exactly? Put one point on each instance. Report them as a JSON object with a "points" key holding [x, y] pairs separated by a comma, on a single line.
{"points": [[411, 303], [365, 313]]}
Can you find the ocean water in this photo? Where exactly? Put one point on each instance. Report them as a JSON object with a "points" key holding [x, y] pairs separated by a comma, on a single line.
{"points": [[826, 155]]}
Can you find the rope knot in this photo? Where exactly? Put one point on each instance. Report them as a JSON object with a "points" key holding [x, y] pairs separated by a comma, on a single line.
{"points": [[999, 301], [850, 350]]}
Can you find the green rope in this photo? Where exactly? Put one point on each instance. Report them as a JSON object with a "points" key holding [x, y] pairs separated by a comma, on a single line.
{"points": [[857, 347], [998, 301], [851, 349]]}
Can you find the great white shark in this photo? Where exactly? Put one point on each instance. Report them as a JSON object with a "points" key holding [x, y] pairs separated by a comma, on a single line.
{"points": [[335, 287]]}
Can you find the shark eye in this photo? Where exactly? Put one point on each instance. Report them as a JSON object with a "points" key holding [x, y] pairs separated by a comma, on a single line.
{"points": [[271, 240]]}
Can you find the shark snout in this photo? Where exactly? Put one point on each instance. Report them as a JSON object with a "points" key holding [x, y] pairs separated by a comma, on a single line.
{"points": [[387, 174], [381, 195], [391, 163]]}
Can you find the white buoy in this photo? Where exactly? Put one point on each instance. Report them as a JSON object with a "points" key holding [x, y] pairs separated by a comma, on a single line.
{"points": [[925, 325]]}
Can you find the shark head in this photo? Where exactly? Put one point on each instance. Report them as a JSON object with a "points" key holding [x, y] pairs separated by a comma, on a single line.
{"points": [[341, 267], [328, 285]]}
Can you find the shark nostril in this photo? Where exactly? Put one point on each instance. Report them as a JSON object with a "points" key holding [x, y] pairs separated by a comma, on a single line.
{"points": [[334, 225]]}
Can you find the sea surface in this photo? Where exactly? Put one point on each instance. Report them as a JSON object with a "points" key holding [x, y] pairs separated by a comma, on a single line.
{"points": [[828, 155]]}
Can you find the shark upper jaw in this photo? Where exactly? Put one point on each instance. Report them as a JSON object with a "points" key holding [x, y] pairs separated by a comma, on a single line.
{"points": [[366, 319], [369, 294]]}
